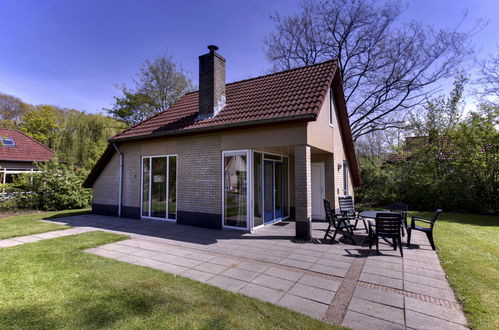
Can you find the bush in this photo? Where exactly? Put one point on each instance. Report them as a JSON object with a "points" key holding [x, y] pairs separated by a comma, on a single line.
{"points": [[56, 187]]}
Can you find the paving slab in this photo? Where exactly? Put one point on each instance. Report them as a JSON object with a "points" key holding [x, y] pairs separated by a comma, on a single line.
{"points": [[382, 280], [273, 282], [440, 312], [380, 311], [386, 298], [283, 274], [210, 268], [261, 292], [361, 321], [197, 275], [303, 305], [416, 320], [227, 283], [312, 293], [319, 282]]}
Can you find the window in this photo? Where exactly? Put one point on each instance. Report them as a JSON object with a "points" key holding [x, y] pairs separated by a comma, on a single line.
{"points": [[159, 187], [7, 142], [332, 107]]}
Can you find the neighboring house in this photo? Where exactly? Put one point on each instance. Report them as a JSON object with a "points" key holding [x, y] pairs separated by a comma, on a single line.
{"points": [[18, 154], [414, 143], [239, 155]]}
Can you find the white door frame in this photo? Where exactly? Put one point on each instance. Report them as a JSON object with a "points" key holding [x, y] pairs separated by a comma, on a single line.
{"points": [[322, 189], [249, 188]]}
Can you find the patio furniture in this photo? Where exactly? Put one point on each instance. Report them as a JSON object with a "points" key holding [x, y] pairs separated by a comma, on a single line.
{"points": [[338, 223], [387, 226], [427, 230], [402, 208], [347, 210]]}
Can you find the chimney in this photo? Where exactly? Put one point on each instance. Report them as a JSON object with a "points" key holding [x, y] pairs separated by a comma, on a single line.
{"points": [[211, 83]]}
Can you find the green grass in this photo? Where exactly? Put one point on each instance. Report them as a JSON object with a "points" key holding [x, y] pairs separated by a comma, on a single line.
{"points": [[468, 247], [53, 284], [29, 224]]}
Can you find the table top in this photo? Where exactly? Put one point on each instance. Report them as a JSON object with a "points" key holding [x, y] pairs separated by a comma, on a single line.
{"points": [[373, 214]]}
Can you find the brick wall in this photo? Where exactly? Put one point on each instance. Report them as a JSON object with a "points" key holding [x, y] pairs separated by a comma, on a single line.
{"points": [[105, 188], [199, 180], [131, 175], [303, 191]]}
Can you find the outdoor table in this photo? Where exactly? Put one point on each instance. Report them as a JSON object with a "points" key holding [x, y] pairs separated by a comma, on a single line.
{"points": [[373, 214]]}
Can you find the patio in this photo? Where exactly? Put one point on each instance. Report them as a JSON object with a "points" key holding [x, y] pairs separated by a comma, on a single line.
{"points": [[336, 283]]}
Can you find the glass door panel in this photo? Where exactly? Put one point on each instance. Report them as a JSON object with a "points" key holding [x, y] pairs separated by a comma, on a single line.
{"points": [[145, 186], [172, 187], [257, 189], [278, 190], [285, 174], [158, 187], [268, 186], [235, 191]]}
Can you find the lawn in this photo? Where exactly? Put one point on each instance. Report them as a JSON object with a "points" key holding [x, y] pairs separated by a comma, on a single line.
{"points": [[53, 284], [28, 224], [468, 247]]}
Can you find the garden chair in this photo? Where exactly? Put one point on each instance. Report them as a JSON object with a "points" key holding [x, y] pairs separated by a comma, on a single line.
{"points": [[347, 210], [402, 208], [428, 230], [387, 226], [338, 223]]}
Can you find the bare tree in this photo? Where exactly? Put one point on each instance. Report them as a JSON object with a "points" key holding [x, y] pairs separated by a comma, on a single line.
{"points": [[489, 80], [387, 66]]}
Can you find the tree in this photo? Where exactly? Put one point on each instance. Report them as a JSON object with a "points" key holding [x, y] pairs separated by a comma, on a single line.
{"points": [[489, 80], [43, 123], [84, 137], [158, 85], [387, 66], [11, 110]]}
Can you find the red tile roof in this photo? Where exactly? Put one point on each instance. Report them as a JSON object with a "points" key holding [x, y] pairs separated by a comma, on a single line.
{"points": [[27, 149], [288, 95]]}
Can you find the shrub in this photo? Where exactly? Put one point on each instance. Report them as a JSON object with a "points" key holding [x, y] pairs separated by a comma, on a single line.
{"points": [[56, 187]]}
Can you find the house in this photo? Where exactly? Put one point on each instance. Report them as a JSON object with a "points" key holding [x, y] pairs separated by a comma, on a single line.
{"points": [[18, 154], [415, 143], [240, 155]]}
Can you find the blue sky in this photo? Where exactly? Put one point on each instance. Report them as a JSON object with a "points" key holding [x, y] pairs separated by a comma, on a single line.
{"points": [[73, 53]]}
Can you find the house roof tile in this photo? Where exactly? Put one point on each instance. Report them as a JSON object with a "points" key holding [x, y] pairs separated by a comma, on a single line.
{"points": [[26, 148], [287, 95]]}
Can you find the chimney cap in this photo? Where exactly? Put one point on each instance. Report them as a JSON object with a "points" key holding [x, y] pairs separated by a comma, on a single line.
{"points": [[212, 48]]}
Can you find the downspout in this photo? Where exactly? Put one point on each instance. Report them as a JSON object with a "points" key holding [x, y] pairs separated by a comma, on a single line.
{"points": [[120, 184]]}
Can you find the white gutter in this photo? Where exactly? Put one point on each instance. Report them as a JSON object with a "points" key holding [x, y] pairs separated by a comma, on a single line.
{"points": [[120, 179]]}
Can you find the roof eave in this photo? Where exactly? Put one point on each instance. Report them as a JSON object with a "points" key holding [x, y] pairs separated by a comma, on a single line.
{"points": [[304, 117]]}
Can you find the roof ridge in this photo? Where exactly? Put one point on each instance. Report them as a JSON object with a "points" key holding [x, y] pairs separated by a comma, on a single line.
{"points": [[284, 71], [271, 74]]}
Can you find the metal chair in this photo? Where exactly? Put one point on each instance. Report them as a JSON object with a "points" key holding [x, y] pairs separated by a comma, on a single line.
{"points": [[347, 210], [427, 230], [387, 226], [402, 208], [338, 223]]}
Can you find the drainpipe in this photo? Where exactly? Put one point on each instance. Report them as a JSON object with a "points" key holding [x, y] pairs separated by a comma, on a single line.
{"points": [[120, 179]]}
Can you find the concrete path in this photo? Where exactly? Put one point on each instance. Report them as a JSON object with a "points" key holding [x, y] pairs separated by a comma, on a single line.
{"points": [[337, 283]]}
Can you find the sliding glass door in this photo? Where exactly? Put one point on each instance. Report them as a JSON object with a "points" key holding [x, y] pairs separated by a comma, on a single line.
{"points": [[159, 185], [235, 189]]}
